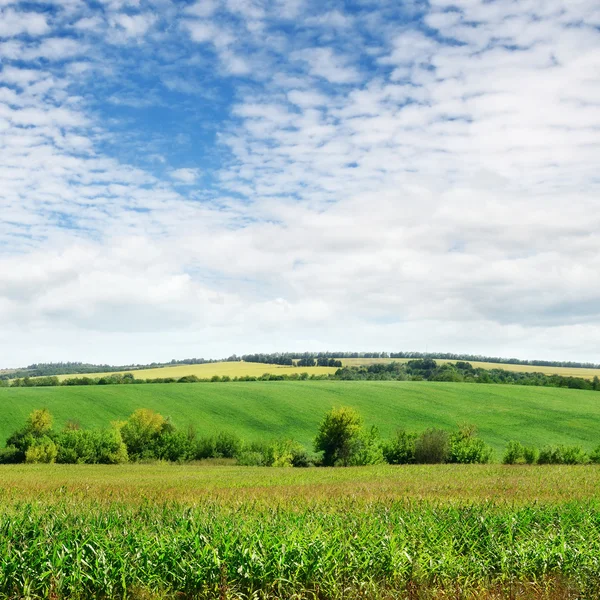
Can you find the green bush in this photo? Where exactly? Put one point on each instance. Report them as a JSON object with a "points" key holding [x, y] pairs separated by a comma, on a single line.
{"points": [[467, 448], [514, 453], [10, 455], [531, 454], [368, 449], [432, 446], [338, 436], [595, 456], [91, 447], [400, 450], [43, 450], [562, 455], [249, 458], [227, 445]]}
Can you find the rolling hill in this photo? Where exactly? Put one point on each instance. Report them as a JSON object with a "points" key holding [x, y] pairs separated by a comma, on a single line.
{"points": [[255, 410]]}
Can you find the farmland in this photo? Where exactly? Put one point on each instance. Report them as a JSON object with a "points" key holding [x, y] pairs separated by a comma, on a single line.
{"points": [[220, 369], [293, 409], [564, 371], [243, 369], [156, 531]]}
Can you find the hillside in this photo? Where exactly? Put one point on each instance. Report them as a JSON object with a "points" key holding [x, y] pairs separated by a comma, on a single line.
{"points": [[208, 370], [293, 409]]}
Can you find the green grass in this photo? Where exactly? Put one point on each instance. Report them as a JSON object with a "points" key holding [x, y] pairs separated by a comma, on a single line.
{"points": [[375, 533], [256, 410]]}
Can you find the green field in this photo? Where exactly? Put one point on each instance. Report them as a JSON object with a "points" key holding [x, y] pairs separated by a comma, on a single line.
{"points": [[372, 533], [293, 409]]}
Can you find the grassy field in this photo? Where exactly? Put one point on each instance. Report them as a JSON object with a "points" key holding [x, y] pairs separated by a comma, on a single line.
{"points": [[293, 409], [374, 533], [208, 370], [565, 371]]}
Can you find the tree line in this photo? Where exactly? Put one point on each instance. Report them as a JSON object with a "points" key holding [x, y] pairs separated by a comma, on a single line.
{"points": [[423, 369], [341, 440], [303, 359]]}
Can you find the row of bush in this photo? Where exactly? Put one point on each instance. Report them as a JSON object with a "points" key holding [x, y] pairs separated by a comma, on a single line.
{"points": [[341, 440], [517, 453]]}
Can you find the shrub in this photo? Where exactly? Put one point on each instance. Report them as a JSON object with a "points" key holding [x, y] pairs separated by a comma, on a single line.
{"points": [[432, 446], [467, 448], [175, 446], [514, 453], [595, 456], [10, 455], [368, 450], [400, 450], [141, 432], [227, 445], [562, 455], [91, 447], [204, 448], [338, 435], [43, 450], [530, 454], [248, 458]]}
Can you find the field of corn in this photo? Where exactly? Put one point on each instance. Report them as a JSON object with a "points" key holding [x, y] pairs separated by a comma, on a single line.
{"points": [[165, 531]]}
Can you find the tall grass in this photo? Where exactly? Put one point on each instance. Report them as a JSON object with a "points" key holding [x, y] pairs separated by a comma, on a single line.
{"points": [[335, 550], [161, 531]]}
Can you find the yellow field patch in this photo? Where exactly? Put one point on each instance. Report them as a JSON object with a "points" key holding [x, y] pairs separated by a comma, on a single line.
{"points": [[208, 370], [565, 371]]}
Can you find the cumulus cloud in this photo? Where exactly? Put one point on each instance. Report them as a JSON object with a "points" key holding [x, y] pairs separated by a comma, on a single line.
{"points": [[368, 180]]}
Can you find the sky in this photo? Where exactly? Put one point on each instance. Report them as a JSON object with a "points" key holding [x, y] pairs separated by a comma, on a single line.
{"points": [[183, 179]]}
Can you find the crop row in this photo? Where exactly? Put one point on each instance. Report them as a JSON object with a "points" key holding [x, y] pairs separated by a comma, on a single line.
{"points": [[85, 550]]}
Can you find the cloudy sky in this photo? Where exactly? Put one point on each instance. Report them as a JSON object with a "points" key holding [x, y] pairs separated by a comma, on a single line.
{"points": [[181, 179]]}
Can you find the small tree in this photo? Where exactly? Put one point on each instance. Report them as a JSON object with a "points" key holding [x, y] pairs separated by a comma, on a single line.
{"points": [[339, 435], [432, 446]]}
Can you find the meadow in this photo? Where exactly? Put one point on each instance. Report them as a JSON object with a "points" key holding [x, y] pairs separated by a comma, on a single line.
{"points": [[293, 409], [165, 531]]}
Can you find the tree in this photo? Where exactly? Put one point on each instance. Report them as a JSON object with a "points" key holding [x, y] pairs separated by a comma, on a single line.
{"points": [[339, 435]]}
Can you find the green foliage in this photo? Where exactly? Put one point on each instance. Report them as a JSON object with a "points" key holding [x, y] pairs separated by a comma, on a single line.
{"points": [[142, 431], [466, 447], [368, 449], [400, 450], [227, 445], [531, 454], [514, 453], [432, 446], [562, 455], [76, 446], [338, 436], [43, 450], [595, 456]]}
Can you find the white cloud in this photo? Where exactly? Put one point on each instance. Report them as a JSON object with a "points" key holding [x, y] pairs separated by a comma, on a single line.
{"points": [[185, 175], [421, 192], [14, 23], [325, 63]]}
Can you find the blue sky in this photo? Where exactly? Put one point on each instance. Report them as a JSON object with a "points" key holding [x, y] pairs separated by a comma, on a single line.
{"points": [[196, 179]]}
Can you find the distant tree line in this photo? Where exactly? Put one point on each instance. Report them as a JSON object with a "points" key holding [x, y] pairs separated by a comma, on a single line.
{"points": [[421, 369], [302, 359]]}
